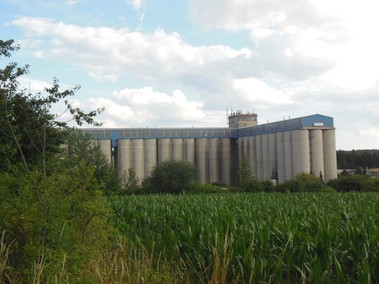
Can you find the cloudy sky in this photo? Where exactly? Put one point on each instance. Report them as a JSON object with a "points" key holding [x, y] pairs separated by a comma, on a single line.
{"points": [[185, 62]]}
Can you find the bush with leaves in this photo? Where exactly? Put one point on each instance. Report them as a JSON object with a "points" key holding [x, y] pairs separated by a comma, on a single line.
{"points": [[52, 210], [130, 184], [79, 147], [58, 217], [302, 182], [172, 177], [30, 133], [359, 183]]}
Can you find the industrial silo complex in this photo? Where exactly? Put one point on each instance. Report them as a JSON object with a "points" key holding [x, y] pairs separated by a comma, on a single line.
{"points": [[276, 151]]}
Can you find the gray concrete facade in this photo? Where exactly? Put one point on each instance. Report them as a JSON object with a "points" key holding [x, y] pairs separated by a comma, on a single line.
{"points": [[278, 150]]}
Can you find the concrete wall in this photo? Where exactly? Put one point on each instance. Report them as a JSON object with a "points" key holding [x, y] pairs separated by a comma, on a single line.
{"points": [[300, 152], [330, 155], [259, 155], [150, 155], [253, 155], [189, 150], [316, 152], [123, 157], [288, 165], [202, 159], [214, 160], [282, 155], [226, 161], [164, 150], [177, 149], [138, 158], [106, 148], [273, 160]]}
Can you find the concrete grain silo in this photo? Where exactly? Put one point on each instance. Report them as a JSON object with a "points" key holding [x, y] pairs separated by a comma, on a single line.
{"points": [[278, 150], [150, 155], [189, 150], [164, 149], [138, 158], [106, 149], [124, 157]]}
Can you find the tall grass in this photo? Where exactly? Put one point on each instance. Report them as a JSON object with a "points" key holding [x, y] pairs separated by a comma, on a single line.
{"points": [[239, 238], [4, 255], [326, 237]]}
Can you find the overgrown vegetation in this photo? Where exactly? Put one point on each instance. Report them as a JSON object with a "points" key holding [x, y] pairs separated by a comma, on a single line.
{"points": [[53, 218], [248, 238]]}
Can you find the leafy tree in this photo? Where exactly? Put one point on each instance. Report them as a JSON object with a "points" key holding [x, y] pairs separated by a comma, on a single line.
{"points": [[130, 183], [357, 159], [245, 174], [29, 132], [172, 177], [246, 179], [51, 204], [80, 148]]}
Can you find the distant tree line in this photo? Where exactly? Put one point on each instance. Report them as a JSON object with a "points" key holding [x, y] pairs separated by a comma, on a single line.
{"points": [[357, 159]]}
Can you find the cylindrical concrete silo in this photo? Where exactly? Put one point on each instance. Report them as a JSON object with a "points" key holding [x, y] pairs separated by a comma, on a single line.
{"points": [[213, 161], [163, 149], [317, 152], [124, 158], [300, 150], [330, 155], [266, 157], [252, 155], [258, 145], [273, 156], [177, 149], [106, 149], [246, 147], [150, 155], [240, 148], [189, 150], [225, 160], [138, 160], [288, 169], [280, 156], [202, 159]]}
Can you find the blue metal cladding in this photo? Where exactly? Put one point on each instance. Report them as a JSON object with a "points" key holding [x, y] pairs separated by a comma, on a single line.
{"points": [[316, 120]]}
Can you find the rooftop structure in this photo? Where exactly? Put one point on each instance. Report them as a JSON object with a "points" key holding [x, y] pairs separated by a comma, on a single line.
{"points": [[239, 120]]}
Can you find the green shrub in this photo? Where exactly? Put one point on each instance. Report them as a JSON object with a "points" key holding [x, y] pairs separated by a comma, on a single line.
{"points": [[52, 220], [359, 183], [301, 183], [172, 177]]}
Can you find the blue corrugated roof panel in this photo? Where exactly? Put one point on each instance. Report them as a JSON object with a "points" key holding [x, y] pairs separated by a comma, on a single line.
{"points": [[316, 120]]}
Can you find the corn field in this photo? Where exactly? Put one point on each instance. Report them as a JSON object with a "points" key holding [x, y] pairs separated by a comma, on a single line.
{"points": [[255, 238]]}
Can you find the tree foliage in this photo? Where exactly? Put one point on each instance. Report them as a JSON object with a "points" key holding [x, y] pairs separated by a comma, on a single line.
{"points": [[245, 174], [29, 131], [172, 177], [51, 206], [357, 182], [60, 218], [357, 159], [301, 183]]}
